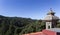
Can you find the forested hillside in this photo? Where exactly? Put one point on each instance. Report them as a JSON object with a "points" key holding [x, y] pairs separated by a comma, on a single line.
{"points": [[19, 25]]}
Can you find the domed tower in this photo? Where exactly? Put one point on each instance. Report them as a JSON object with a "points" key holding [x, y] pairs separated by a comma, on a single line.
{"points": [[51, 20]]}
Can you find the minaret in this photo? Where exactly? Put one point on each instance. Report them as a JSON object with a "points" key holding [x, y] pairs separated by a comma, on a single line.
{"points": [[51, 19]]}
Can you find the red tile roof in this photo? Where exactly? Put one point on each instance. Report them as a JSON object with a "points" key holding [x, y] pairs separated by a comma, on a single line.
{"points": [[37, 33]]}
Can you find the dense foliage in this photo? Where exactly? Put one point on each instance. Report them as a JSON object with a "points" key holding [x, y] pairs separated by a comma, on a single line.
{"points": [[19, 26]]}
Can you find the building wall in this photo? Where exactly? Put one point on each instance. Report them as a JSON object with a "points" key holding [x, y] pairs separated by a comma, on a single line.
{"points": [[58, 33]]}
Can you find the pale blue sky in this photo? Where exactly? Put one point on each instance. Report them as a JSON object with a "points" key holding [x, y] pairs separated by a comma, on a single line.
{"points": [[35, 9]]}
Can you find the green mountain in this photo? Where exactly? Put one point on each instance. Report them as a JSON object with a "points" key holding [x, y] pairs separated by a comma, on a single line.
{"points": [[19, 25]]}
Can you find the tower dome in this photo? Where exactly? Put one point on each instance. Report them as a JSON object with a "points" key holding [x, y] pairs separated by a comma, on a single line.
{"points": [[51, 16]]}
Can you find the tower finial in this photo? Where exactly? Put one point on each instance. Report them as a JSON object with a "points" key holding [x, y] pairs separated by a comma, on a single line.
{"points": [[51, 10]]}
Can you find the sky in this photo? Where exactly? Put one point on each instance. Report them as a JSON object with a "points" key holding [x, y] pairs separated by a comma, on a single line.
{"points": [[35, 9]]}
